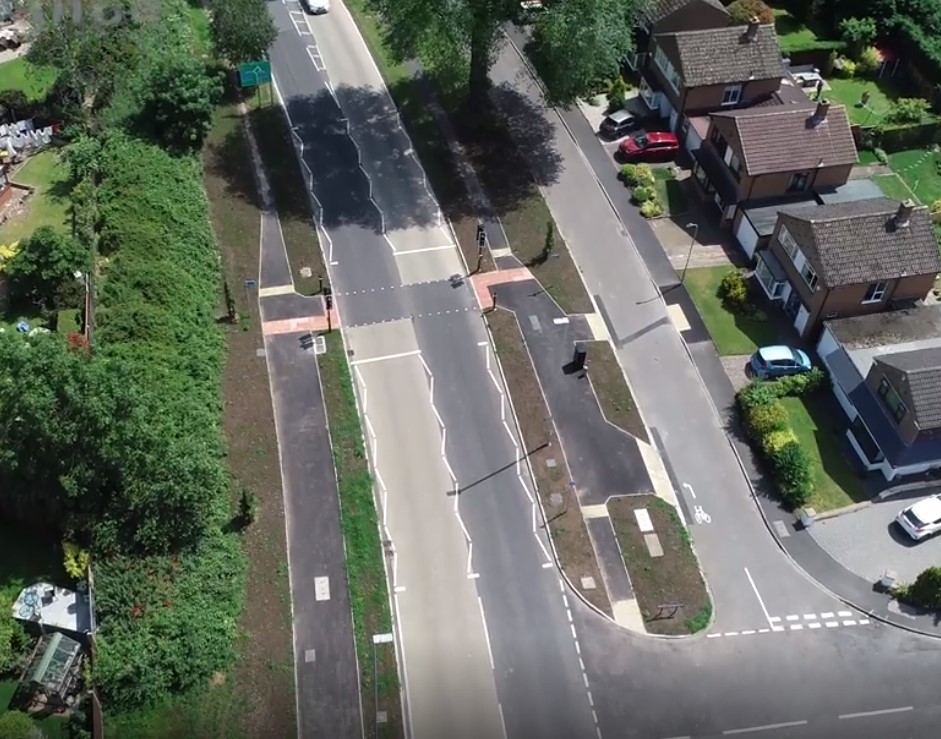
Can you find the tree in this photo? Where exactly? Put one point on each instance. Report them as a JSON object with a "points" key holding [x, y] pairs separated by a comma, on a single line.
{"points": [[43, 270], [575, 43], [858, 33], [926, 590], [17, 725], [741, 12], [183, 95], [242, 30]]}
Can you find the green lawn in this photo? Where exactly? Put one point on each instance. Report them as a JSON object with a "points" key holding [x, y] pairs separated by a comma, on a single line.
{"points": [[794, 35], [49, 205], [199, 25], [892, 186], [849, 91], [919, 169], [670, 192], [19, 74], [733, 334], [867, 157], [836, 484]]}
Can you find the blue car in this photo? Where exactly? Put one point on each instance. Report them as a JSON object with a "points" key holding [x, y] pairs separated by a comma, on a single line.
{"points": [[777, 361]]}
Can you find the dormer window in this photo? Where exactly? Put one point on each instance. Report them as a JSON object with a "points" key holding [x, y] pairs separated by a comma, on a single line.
{"points": [[893, 402]]}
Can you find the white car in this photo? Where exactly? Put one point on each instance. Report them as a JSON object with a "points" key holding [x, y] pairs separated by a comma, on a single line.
{"points": [[922, 519], [317, 7]]}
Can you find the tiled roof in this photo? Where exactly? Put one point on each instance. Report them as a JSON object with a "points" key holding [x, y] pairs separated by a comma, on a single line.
{"points": [[859, 242], [718, 56], [921, 383], [781, 139], [656, 10]]}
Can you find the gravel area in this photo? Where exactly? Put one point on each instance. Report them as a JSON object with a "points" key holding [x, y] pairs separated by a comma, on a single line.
{"points": [[735, 367], [868, 542]]}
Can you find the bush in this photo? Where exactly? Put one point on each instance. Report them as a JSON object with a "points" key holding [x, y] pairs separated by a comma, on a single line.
{"points": [[617, 94], [797, 385], [17, 725], [651, 209], [858, 33], [13, 637], [757, 393], [742, 11], [869, 61], [733, 290], [936, 206], [880, 155], [791, 466], [909, 110], [75, 560], [762, 420], [643, 194], [926, 590], [637, 174], [844, 67], [775, 440]]}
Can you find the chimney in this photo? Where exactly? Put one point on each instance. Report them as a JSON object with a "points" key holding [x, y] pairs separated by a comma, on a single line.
{"points": [[820, 113], [905, 213], [751, 33]]}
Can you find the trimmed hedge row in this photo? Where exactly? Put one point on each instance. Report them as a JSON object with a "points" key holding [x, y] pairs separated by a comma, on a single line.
{"points": [[768, 426]]}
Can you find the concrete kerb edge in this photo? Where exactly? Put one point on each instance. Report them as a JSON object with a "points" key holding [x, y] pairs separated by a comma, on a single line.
{"points": [[318, 215], [529, 468]]}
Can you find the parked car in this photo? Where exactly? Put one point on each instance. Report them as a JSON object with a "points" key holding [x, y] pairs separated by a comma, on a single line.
{"points": [[652, 146], [777, 361], [619, 123], [922, 519], [317, 7]]}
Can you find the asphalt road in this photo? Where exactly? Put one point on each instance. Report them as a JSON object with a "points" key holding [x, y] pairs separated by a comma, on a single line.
{"points": [[485, 628]]}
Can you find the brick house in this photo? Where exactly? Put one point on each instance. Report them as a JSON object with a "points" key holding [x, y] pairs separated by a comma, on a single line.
{"points": [[669, 16], [848, 259], [692, 73], [753, 154]]}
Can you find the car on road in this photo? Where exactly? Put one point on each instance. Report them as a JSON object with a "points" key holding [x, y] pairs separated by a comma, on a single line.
{"points": [[778, 361], [649, 147], [618, 124], [317, 7], [922, 519]]}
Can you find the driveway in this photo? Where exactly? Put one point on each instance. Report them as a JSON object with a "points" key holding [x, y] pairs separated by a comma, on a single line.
{"points": [[867, 542]]}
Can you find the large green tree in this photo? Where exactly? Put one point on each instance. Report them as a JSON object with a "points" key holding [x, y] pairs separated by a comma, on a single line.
{"points": [[183, 95], [576, 42], [44, 269], [242, 30]]}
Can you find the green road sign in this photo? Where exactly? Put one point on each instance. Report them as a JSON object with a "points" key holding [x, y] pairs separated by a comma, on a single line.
{"points": [[252, 74]]}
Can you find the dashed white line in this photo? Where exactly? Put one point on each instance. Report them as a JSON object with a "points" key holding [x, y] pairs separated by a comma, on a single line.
{"points": [[844, 614], [774, 619], [792, 618], [748, 633], [864, 622], [849, 622], [797, 627], [810, 616], [864, 714], [828, 614], [730, 633], [713, 636], [763, 631], [816, 625], [766, 727], [831, 624], [473, 575], [483, 620], [546, 565]]}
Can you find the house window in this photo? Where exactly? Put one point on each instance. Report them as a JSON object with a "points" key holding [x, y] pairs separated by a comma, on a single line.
{"points": [[787, 241], [666, 67], [875, 292], [735, 166], [810, 277], [732, 94], [892, 400], [772, 287], [797, 182]]}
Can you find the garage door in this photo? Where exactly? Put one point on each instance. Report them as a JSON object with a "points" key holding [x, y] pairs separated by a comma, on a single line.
{"points": [[693, 140], [747, 236]]}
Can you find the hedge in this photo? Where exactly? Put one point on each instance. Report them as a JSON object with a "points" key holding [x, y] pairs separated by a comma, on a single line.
{"points": [[893, 138]]}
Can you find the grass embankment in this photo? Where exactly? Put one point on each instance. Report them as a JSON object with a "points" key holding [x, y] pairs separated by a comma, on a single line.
{"points": [[614, 396], [365, 563], [671, 580], [559, 499]]}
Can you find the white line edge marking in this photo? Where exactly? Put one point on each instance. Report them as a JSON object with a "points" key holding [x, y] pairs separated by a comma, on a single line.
{"points": [[758, 596], [383, 358], [766, 727], [483, 620], [864, 714]]}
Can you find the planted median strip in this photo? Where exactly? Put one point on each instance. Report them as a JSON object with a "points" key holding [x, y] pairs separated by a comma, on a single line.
{"points": [[614, 396], [669, 588]]}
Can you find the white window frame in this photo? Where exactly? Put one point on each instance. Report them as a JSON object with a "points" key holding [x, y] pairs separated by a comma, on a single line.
{"points": [[666, 67], [810, 276], [732, 95], [787, 243], [794, 176], [878, 289]]}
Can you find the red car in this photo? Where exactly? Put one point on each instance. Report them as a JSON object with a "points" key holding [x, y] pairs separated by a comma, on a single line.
{"points": [[653, 146]]}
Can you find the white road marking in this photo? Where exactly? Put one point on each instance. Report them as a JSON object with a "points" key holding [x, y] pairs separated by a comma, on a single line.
{"points": [[482, 343], [797, 627], [690, 488], [483, 620], [322, 588], [816, 625], [863, 714], [831, 624], [864, 622], [844, 614], [384, 357], [546, 565], [422, 251], [763, 631], [810, 616], [730, 633], [758, 596], [747, 633], [774, 619], [828, 614], [792, 618], [713, 636], [766, 727], [473, 575], [399, 588], [849, 622]]}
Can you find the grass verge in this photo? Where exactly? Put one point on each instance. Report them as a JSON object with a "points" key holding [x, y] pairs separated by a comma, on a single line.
{"points": [[919, 169], [559, 501], [289, 188], [673, 579], [365, 563], [614, 396], [32, 80], [49, 203], [732, 333], [836, 483], [670, 192]]}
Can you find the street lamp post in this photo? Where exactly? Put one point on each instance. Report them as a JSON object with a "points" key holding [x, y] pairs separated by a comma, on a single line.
{"points": [[694, 227]]}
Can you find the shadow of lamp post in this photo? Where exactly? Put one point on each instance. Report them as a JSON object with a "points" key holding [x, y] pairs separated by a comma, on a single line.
{"points": [[694, 227]]}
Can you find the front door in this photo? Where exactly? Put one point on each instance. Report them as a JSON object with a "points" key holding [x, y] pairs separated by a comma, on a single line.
{"points": [[793, 304]]}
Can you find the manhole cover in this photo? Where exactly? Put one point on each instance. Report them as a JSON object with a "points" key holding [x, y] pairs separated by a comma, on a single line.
{"points": [[588, 583], [555, 500], [382, 717], [310, 655], [259, 352], [306, 272]]}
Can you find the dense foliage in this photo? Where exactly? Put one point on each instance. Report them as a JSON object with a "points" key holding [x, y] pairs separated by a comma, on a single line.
{"points": [[741, 12], [44, 268], [242, 30], [183, 95], [926, 590]]}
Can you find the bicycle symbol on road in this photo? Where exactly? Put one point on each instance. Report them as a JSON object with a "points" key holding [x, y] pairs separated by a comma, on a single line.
{"points": [[701, 516]]}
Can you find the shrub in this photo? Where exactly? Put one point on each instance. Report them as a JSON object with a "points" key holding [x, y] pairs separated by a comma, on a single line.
{"points": [[742, 11], [936, 206], [757, 393], [858, 33], [797, 385], [774, 441], [926, 590], [908, 110], [791, 466], [880, 155], [644, 193], [733, 290], [845, 67], [617, 94], [651, 209], [869, 61], [637, 174], [762, 420], [75, 560], [18, 725], [13, 637]]}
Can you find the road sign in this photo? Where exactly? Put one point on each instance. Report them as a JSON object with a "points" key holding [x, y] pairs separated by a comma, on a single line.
{"points": [[252, 74]]}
